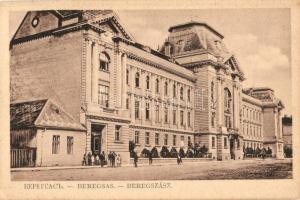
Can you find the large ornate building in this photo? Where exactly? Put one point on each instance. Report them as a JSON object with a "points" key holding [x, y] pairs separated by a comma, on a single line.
{"points": [[120, 90]]}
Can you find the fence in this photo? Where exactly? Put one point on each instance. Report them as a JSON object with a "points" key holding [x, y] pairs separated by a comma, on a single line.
{"points": [[170, 160], [22, 157]]}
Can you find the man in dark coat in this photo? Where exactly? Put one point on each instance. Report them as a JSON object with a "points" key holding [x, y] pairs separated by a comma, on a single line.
{"points": [[135, 159], [90, 158], [102, 158], [113, 158], [150, 158]]}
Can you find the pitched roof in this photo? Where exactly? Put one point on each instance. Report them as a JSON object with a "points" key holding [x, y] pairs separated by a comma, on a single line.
{"points": [[41, 113]]}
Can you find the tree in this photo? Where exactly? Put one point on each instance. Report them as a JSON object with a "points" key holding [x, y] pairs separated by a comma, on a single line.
{"points": [[164, 152], [154, 152], [145, 153], [173, 153]]}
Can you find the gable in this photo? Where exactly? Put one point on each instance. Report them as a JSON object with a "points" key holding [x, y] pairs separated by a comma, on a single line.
{"points": [[36, 22]]}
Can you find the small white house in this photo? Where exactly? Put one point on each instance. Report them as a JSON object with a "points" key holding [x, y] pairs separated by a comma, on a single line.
{"points": [[43, 134]]}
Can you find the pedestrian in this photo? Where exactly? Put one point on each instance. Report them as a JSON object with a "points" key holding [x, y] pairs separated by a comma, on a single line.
{"points": [[135, 159], [93, 159], [102, 158], [263, 153], [84, 161], [150, 158], [118, 160], [178, 159], [114, 155], [110, 159], [89, 158], [97, 159]]}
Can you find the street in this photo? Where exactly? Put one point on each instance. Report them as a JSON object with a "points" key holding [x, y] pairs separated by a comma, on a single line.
{"points": [[213, 170]]}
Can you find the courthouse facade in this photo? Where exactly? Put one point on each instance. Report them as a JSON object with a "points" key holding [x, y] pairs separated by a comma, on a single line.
{"points": [[189, 91]]}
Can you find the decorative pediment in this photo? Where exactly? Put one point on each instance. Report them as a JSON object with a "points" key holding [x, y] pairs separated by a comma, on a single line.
{"points": [[233, 65]]}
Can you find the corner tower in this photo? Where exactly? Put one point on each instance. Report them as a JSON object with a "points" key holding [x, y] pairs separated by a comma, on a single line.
{"points": [[200, 48]]}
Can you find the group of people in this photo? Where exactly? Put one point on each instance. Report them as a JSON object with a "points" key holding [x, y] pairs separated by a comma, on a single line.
{"points": [[100, 159]]}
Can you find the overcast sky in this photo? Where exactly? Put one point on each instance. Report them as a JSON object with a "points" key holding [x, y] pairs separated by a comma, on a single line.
{"points": [[260, 39]]}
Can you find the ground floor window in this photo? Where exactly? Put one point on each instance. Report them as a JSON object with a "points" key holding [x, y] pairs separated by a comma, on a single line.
{"points": [[189, 140], [156, 138], [118, 133], [225, 143], [70, 142], [166, 139], [147, 138], [137, 137], [174, 140], [213, 142], [55, 144]]}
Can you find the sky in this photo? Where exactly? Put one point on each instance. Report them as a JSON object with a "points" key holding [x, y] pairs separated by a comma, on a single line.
{"points": [[259, 38]]}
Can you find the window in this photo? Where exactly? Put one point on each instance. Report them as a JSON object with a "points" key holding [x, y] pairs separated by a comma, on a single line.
{"points": [[174, 140], [157, 113], [174, 90], [104, 61], [118, 133], [147, 138], [213, 118], [166, 88], [156, 138], [137, 137], [227, 99], [157, 86], [228, 121], [166, 139], [225, 143], [70, 142], [166, 115], [137, 80], [55, 144], [189, 95], [147, 82], [127, 103], [212, 91], [213, 142], [174, 116], [147, 110], [181, 93], [127, 76], [189, 140], [181, 117], [103, 95], [189, 119], [182, 138], [137, 109]]}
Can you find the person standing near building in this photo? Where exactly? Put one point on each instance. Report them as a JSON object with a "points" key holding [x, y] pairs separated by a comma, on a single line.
{"points": [[150, 158], [102, 158], [110, 159], [135, 159], [113, 157], [90, 158], [118, 160]]}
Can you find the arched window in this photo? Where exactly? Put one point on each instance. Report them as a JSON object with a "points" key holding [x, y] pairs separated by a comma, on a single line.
{"points": [[227, 99], [181, 93], [148, 82], [174, 90], [157, 86], [189, 95], [166, 88], [104, 61], [137, 79]]}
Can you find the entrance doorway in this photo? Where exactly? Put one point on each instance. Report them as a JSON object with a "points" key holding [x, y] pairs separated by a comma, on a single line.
{"points": [[96, 139]]}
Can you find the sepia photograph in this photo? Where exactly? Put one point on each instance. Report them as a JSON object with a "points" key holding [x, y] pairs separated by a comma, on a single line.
{"points": [[138, 99]]}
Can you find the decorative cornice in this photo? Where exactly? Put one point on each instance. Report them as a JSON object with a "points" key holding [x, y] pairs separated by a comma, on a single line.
{"points": [[160, 129], [111, 119]]}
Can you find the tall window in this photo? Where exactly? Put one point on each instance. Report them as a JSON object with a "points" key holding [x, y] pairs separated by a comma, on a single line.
{"points": [[147, 82], [227, 99], [166, 88], [118, 133], [137, 137], [189, 140], [213, 142], [103, 95], [189, 119], [127, 103], [181, 117], [157, 86], [213, 119], [137, 80], [225, 143], [174, 140], [212, 91], [189, 95], [147, 110], [156, 138], [166, 114], [174, 116], [104, 61], [157, 113], [70, 142], [166, 139], [55, 144], [147, 138], [174, 90], [137, 109], [181, 93], [127, 76]]}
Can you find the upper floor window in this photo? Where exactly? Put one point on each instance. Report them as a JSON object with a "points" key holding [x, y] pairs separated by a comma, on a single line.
{"points": [[212, 91], [103, 95], [137, 79], [166, 139], [189, 95], [181, 117], [147, 110], [127, 76], [104, 61], [213, 142], [157, 113], [166, 88], [157, 86], [137, 109], [189, 119], [166, 115], [174, 90], [227, 99], [174, 116], [181, 93], [147, 82]]}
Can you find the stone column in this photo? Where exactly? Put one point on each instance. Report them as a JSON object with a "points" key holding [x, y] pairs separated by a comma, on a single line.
{"points": [[88, 84], [95, 66], [236, 106], [124, 84], [119, 80], [220, 108]]}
